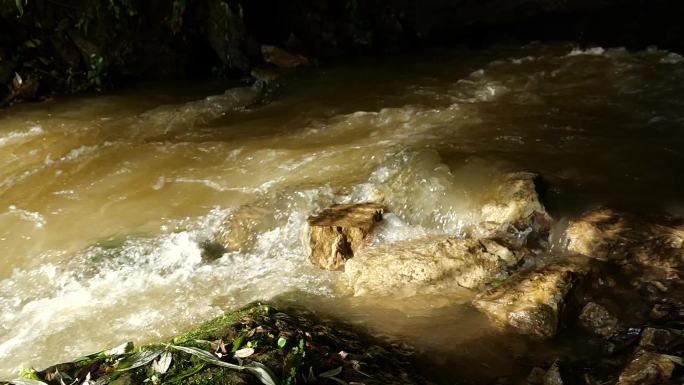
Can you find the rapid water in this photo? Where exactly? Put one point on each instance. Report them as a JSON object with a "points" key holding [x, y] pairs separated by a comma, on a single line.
{"points": [[105, 201]]}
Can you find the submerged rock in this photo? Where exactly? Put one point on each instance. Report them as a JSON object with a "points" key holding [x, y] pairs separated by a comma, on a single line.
{"points": [[515, 212], [275, 348], [338, 232], [166, 118], [239, 231], [647, 368], [537, 302], [427, 265], [598, 320]]}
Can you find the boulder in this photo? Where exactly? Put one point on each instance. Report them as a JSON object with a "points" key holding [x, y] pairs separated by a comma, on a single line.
{"points": [[514, 211], [649, 251], [629, 240], [646, 368], [598, 320], [427, 265], [537, 302], [336, 233]]}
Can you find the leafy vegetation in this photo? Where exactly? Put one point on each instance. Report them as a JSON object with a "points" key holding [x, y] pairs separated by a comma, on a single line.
{"points": [[256, 345]]}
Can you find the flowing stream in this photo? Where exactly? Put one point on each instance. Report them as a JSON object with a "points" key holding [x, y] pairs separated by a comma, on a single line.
{"points": [[106, 201]]}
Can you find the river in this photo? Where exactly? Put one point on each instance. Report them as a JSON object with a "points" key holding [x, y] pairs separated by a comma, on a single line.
{"points": [[106, 200]]}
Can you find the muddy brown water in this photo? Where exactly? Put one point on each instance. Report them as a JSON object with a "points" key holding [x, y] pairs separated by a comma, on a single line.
{"points": [[105, 200]]}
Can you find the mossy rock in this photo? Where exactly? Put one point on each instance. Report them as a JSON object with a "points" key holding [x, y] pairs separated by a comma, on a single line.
{"points": [[292, 347]]}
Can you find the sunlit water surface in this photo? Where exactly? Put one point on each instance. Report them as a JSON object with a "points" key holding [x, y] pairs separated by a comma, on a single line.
{"points": [[105, 200]]}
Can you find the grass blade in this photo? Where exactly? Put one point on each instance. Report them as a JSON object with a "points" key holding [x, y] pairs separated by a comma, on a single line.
{"points": [[140, 358], [207, 356], [262, 372], [331, 373]]}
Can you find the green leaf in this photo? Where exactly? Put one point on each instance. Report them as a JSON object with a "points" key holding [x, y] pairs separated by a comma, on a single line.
{"points": [[140, 358], [331, 373], [26, 381], [282, 342], [263, 373], [206, 356], [20, 6], [338, 380], [187, 373]]}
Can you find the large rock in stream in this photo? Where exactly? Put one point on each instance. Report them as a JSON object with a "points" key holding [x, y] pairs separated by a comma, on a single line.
{"points": [[338, 232], [256, 345], [627, 239], [650, 252], [428, 265], [514, 212], [538, 302]]}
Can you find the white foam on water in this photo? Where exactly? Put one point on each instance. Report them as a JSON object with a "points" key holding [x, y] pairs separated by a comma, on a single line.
{"points": [[30, 216], [591, 51], [14, 136], [72, 155]]}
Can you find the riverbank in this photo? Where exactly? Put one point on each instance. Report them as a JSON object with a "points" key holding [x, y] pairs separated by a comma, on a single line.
{"points": [[52, 48]]}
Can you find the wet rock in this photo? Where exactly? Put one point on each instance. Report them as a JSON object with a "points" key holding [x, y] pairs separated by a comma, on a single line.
{"points": [[598, 320], [239, 231], [607, 234], [336, 233], [659, 340], [537, 302], [539, 376], [265, 74], [282, 58], [553, 376], [515, 212], [427, 265], [166, 118], [668, 309], [649, 252], [647, 368]]}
